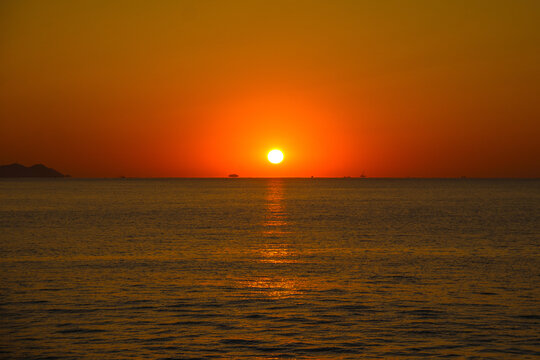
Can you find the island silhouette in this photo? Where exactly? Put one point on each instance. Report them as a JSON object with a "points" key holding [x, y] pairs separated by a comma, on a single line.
{"points": [[19, 171]]}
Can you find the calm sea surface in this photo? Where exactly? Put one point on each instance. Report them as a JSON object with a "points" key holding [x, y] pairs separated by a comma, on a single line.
{"points": [[269, 268]]}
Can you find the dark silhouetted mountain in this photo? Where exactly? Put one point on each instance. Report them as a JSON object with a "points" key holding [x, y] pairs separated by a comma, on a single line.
{"points": [[18, 170]]}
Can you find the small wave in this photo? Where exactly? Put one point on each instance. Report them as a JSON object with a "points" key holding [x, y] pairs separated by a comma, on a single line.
{"points": [[140, 307], [282, 307], [190, 323], [241, 342], [259, 316], [333, 291], [73, 311], [80, 330], [159, 339], [514, 351], [29, 302], [331, 350], [189, 358], [133, 302], [425, 313], [353, 308], [485, 293], [529, 317], [226, 326], [294, 319]]}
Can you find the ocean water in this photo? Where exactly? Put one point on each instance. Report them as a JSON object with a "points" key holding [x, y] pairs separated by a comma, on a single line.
{"points": [[269, 269]]}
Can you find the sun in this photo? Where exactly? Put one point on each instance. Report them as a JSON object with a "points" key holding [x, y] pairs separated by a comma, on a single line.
{"points": [[275, 156]]}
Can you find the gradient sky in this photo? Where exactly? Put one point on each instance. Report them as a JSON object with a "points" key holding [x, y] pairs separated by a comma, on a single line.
{"points": [[207, 88]]}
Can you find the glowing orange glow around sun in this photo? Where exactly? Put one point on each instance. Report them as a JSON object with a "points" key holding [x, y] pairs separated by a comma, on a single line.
{"points": [[275, 156], [341, 87]]}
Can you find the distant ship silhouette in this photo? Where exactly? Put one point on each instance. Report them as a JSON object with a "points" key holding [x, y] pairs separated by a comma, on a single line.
{"points": [[233, 175]]}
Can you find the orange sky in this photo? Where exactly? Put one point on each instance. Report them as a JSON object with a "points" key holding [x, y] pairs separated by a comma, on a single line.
{"points": [[207, 88]]}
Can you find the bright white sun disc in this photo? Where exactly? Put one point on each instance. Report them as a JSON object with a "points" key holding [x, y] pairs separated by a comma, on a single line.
{"points": [[275, 156]]}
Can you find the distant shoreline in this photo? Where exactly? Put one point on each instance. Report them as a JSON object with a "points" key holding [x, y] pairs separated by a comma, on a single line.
{"points": [[16, 170]]}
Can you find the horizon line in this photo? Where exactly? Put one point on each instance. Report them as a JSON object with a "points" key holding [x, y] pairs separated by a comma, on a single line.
{"points": [[284, 177]]}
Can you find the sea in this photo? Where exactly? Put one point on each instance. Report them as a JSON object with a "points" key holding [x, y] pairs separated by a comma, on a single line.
{"points": [[269, 268]]}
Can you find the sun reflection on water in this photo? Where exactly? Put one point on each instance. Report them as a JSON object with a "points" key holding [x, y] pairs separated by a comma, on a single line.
{"points": [[275, 226], [276, 215], [275, 247], [275, 287]]}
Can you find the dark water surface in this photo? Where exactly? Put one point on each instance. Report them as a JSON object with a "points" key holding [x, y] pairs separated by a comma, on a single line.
{"points": [[269, 268]]}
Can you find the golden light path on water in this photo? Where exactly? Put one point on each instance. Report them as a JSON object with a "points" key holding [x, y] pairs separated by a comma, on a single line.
{"points": [[275, 249]]}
